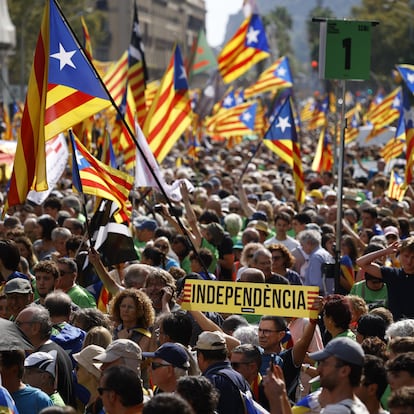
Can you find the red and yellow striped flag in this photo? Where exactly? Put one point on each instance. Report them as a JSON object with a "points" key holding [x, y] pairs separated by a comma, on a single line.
{"points": [[170, 114], [62, 91]]}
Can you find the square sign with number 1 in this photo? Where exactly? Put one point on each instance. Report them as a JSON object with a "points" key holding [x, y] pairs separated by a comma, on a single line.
{"points": [[345, 49]]}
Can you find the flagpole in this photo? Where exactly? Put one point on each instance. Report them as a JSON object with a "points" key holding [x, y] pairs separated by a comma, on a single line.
{"points": [[340, 191], [128, 128]]}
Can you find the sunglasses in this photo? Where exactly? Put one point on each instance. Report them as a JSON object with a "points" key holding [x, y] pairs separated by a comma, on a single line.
{"points": [[236, 365]]}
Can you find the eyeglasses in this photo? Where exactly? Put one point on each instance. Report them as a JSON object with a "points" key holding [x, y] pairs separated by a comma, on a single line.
{"points": [[101, 390], [267, 332], [156, 365], [236, 365]]}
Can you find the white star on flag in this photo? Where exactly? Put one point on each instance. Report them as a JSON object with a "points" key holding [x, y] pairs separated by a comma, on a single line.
{"points": [[183, 73], [64, 57], [228, 101], [281, 72], [252, 35], [247, 116], [410, 77], [283, 123]]}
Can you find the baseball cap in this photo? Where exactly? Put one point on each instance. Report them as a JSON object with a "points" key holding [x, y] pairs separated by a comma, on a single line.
{"points": [[124, 348], [18, 285], [210, 341], [315, 193], [45, 361], [172, 353], [85, 359], [146, 225], [330, 193], [259, 215], [345, 349], [391, 230]]}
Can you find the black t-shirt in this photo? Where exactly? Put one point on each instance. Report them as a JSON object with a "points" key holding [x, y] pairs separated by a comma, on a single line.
{"points": [[225, 247], [400, 287]]}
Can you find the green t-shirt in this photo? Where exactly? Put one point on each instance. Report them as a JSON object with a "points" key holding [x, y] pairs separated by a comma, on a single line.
{"points": [[57, 399], [213, 249], [373, 298], [347, 334], [81, 297]]}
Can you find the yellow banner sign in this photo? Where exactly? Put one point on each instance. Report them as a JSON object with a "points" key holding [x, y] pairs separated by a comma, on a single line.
{"points": [[250, 298]]}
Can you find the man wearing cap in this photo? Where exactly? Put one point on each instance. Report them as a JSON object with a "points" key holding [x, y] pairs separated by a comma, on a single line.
{"points": [[40, 372], [144, 231], [169, 363], [28, 399], [19, 294], [121, 352], [340, 367], [212, 359]]}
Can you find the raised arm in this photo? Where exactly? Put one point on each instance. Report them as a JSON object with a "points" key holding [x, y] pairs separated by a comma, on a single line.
{"points": [[110, 284], [367, 262], [248, 210]]}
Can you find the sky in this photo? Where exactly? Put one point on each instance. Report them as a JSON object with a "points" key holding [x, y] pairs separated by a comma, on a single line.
{"points": [[218, 12]]}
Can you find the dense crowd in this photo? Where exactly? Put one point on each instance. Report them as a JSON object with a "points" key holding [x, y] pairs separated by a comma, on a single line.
{"points": [[114, 338]]}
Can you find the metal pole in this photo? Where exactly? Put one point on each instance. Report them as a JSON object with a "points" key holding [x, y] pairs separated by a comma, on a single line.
{"points": [[341, 148]]}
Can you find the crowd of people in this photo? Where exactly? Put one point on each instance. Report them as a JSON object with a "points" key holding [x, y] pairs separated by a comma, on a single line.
{"points": [[115, 338]]}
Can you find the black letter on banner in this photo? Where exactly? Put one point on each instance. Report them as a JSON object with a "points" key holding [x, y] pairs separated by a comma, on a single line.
{"points": [[266, 298], [257, 297], [301, 300], [276, 298], [287, 303], [211, 290], [247, 301], [201, 294], [219, 300], [237, 296], [229, 293]]}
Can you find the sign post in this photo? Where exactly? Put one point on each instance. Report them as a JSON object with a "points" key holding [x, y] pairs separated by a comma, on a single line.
{"points": [[344, 54]]}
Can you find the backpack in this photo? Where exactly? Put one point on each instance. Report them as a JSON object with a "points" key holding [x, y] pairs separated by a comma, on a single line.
{"points": [[249, 404]]}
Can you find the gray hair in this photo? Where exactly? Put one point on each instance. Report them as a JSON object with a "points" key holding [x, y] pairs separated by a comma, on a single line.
{"points": [[247, 334], [405, 327], [310, 236], [61, 233], [41, 315]]}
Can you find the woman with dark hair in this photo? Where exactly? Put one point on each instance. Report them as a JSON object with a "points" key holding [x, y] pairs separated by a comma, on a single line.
{"points": [[282, 263], [153, 256], [337, 316], [26, 250], [43, 246], [132, 310]]}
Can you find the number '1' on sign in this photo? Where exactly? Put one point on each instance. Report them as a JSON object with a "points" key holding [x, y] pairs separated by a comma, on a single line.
{"points": [[345, 49]]}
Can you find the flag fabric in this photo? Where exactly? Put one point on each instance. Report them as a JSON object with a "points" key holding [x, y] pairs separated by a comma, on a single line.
{"points": [[170, 113], [323, 160], [62, 91], [276, 77], [353, 118], [247, 47], [202, 57], [111, 239], [408, 113], [87, 44], [115, 79], [90, 176], [407, 74], [148, 174], [395, 146], [123, 143], [384, 113], [319, 116], [283, 131], [238, 120], [137, 68], [396, 188], [347, 270], [57, 155], [108, 155]]}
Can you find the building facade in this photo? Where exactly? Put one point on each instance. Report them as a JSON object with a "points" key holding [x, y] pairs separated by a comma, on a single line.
{"points": [[162, 22]]}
